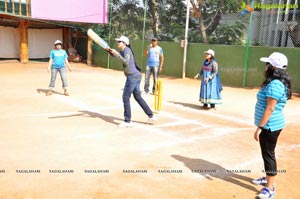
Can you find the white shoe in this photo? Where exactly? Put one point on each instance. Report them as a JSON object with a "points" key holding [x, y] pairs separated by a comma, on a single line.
{"points": [[260, 181], [151, 120], [266, 193], [125, 125]]}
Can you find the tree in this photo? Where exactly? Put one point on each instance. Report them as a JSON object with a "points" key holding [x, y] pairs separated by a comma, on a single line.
{"points": [[209, 13], [166, 19], [294, 33], [154, 9], [127, 19], [172, 16]]}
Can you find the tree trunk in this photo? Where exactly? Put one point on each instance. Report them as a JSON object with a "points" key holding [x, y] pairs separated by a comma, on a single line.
{"points": [[214, 23], [202, 30], [153, 8], [198, 14]]}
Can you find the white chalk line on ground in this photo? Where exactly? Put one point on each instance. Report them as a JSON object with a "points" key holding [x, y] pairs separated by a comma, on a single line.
{"points": [[90, 135], [79, 112], [212, 135], [245, 121], [180, 120], [83, 106], [155, 128], [216, 133]]}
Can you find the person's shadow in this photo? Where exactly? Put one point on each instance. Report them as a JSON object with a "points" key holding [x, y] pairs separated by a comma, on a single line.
{"points": [[211, 170], [193, 106], [45, 91], [84, 113]]}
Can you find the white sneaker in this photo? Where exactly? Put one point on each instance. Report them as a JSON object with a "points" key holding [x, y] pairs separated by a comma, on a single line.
{"points": [[125, 125], [151, 120], [260, 181], [266, 193]]}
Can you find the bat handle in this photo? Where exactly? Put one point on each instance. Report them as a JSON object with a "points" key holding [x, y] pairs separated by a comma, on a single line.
{"points": [[109, 51]]}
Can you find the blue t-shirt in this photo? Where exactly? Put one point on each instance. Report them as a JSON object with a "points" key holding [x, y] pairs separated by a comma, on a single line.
{"points": [[153, 56], [276, 90], [58, 57]]}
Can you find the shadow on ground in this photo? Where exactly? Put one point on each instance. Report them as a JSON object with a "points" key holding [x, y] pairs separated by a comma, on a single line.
{"points": [[84, 113], [211, 170], [106, 118], [193, 106], [41, 90]]}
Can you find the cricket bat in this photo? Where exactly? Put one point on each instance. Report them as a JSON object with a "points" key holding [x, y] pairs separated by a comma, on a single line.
{"points": [[97, 39]]}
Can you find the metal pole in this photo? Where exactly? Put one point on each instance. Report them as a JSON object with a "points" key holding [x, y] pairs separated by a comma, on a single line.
{"points": [[143, 39], [247, 47], [186, 37], [110, 18]]}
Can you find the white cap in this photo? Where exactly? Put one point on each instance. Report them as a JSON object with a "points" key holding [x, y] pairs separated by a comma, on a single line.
{"points": [[123, 39], [57, 42], [210, 51], [278, 60]]}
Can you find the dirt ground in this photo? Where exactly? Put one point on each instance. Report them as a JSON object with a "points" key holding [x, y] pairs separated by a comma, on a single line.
{"points": [[71, 148]]}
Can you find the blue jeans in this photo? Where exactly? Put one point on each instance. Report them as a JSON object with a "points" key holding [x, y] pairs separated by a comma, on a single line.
{"points": [[154, 71], [62, 72], [132, 85]]}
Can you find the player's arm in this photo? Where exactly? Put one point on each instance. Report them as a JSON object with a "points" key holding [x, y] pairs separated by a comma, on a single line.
{"points": [[146, 52], [124, 60], [68, 64], [50, 64], [109, 50], [162, 59], [199, 73], [214, 70], [271, 103]]}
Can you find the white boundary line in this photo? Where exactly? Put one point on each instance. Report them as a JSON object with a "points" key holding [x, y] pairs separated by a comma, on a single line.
{"points": [[246, 120]]}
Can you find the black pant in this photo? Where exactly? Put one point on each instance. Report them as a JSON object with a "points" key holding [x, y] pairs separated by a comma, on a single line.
{"points": [[267, 141]]}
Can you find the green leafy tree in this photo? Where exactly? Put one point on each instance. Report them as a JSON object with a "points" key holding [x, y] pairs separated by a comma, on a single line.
{"points": [[228, 34], [172, 20], [127, 19], [209, 13], [166, 19]]}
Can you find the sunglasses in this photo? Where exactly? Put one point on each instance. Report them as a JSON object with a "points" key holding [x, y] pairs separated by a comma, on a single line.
{"points": [[120, 41]]}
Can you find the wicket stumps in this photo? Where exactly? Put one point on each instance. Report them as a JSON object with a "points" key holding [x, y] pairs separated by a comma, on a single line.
{"points": [[158, 95]]}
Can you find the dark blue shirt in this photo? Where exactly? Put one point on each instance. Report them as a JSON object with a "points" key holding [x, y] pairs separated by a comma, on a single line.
{"points": [[128, 60]]}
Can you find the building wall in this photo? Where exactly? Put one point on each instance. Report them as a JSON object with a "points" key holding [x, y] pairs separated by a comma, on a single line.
{"points": [[40, 42]]}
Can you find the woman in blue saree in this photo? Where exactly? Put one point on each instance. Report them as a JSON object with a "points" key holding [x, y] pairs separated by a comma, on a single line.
{"points": [[211, 87]]}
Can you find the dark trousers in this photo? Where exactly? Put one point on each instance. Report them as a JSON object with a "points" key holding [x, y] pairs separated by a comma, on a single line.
{"points": [[267, 141], [211, 105], [132, 85]]}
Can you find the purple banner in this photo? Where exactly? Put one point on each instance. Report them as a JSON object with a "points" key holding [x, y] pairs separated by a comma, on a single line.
{"points": [[85, 11]]}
